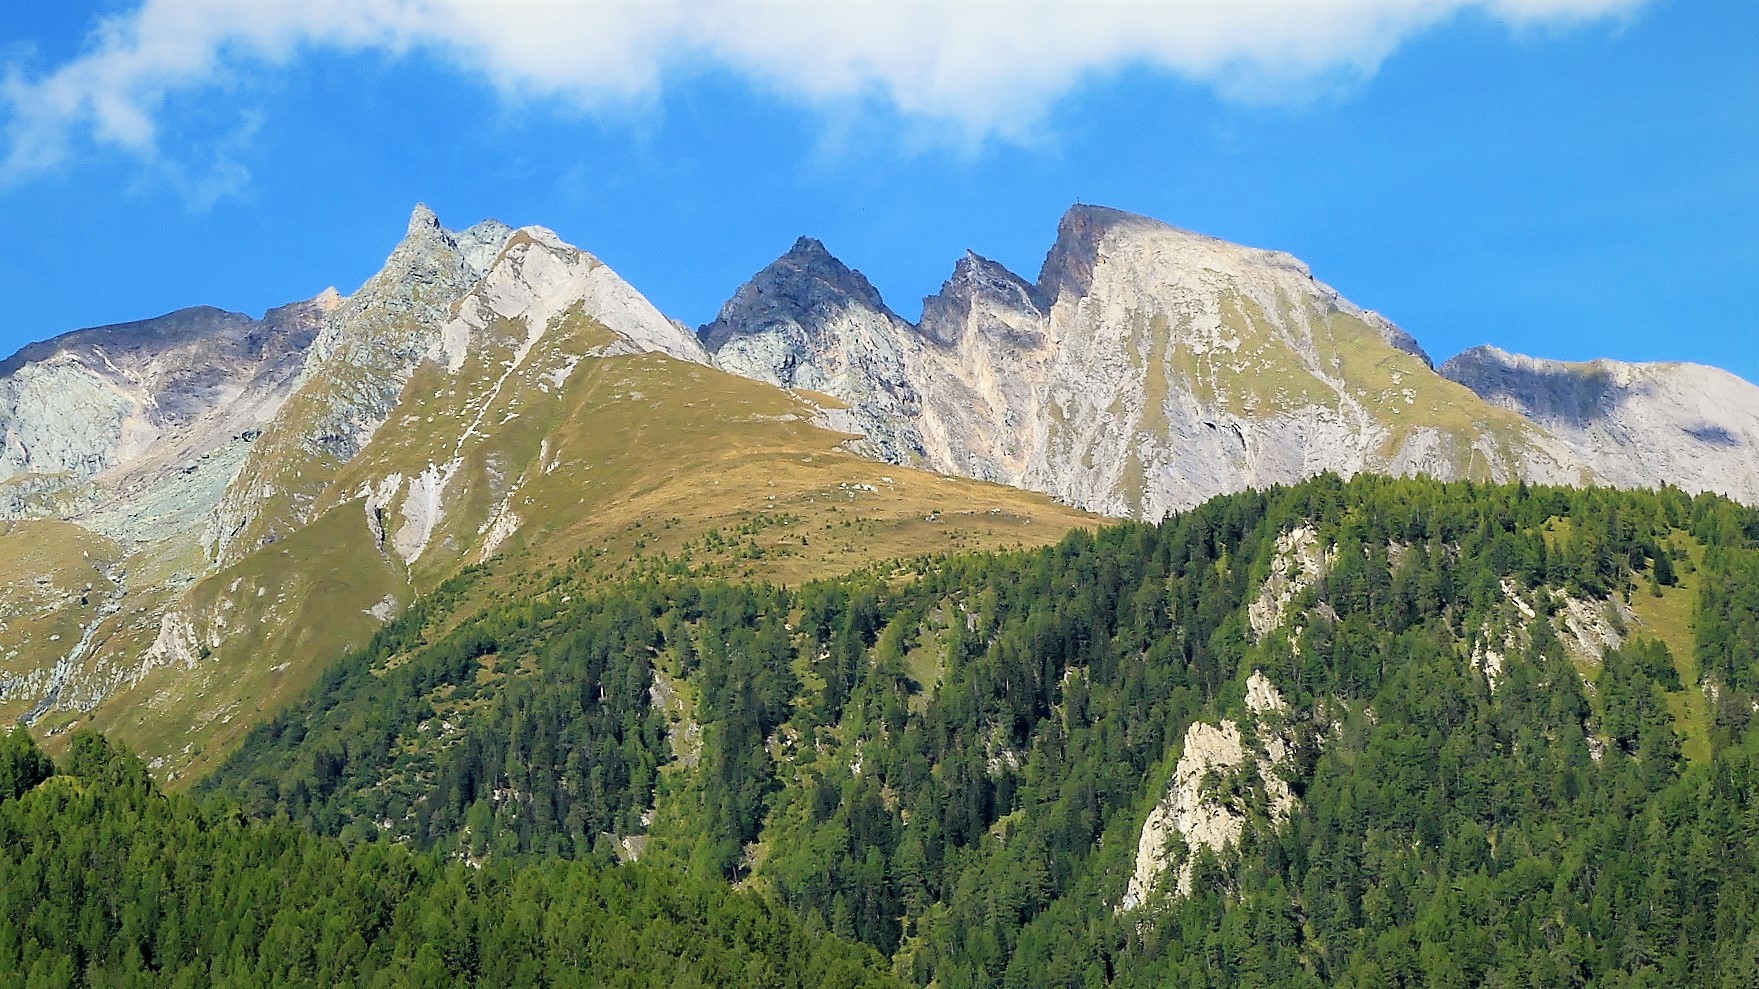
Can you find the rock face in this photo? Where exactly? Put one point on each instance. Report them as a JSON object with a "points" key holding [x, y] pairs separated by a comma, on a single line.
{"points": [[1299, 564], [442, 298], [1146, 370], [154, 411], [1206, 804], [505, 353], [353, 375], [808, 322], [277, 483], [1635, 425]]}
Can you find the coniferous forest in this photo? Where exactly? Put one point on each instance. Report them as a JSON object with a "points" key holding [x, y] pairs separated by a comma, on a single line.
{"points": [[1514, 737]]}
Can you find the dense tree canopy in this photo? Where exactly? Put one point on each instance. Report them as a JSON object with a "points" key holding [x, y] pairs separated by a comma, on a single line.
{"points": [[951, 760], [107, 882]]}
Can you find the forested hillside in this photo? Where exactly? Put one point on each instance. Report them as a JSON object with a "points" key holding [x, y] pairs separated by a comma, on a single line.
{"points": [[1377, 732], [107, 882]]}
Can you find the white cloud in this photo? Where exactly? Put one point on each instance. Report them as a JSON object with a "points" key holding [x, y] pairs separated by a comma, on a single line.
{"points": [[980, 67]]}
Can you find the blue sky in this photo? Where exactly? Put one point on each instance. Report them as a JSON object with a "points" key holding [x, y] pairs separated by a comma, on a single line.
{"points": [[1566, 178]]}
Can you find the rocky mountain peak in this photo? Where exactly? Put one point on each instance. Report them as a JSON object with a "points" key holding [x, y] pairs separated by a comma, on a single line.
{"points": [[422, 221], [1088, 234], [536, 277], [350, 381], [1069, 265], [810, 250], [807, 281], [1148, 369], [428, 270], [1634, 424], [1553, 391], [809, 264], [1144, 255], [976, 275], [482, 243], [982, 295]]}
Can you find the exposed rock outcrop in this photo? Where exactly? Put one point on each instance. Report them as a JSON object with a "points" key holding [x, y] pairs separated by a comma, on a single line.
{"points": [[809, 322], [353, 375], [1146, 370], [1205, 806], [137, 427], [1298, 564], [1634, 425]]}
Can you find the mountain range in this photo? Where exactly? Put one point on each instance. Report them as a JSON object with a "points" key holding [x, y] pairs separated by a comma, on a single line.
{"points": [[204, 509], [1148, 369]]}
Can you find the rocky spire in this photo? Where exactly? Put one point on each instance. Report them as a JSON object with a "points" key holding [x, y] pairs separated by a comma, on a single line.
{"points": [[981, 295], [807, 284], [1069, 265]]}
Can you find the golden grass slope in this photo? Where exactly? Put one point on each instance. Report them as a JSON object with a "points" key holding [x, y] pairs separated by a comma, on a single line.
{"points": [[636, 462]]}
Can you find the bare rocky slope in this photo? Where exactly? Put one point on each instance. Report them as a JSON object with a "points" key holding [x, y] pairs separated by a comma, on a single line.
{"points": [[131, 427], [1635, 425], [1145, 370]]}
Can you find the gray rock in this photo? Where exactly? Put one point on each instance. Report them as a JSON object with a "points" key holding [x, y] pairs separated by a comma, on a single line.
{"points": [[98, 416], [353, 375], [1636, 425], [1147, 369], [807, 321]]}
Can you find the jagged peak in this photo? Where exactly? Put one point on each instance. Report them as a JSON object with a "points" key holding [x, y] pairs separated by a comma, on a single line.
{"points": [[425, 241], [479, 244], [806, 278], [975, 270], [535, 276], [810, 249], [810, 259], [421, 220], [976, 278], [1069, 265]]}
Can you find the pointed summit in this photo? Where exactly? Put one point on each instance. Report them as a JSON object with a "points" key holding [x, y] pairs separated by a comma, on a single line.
{"points": [[1069, 265], [809, 321], [981, 295], [810, 248], [808, 284], [421, 220]]}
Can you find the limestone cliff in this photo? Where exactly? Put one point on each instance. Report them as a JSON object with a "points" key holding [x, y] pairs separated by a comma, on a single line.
{"points": [[136, 427], [1147, 369], [1635, 425]]}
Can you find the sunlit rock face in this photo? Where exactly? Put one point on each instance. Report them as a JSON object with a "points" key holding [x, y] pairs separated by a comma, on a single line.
{"points": [[1145, 370], [1634, 425], [137, 426]]}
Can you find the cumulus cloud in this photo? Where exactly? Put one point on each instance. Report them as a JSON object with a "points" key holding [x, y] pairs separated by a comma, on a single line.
{"points": [[981, 68]]}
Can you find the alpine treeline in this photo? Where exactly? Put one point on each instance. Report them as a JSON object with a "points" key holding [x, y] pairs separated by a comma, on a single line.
{"points": [[1521, 721]]}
